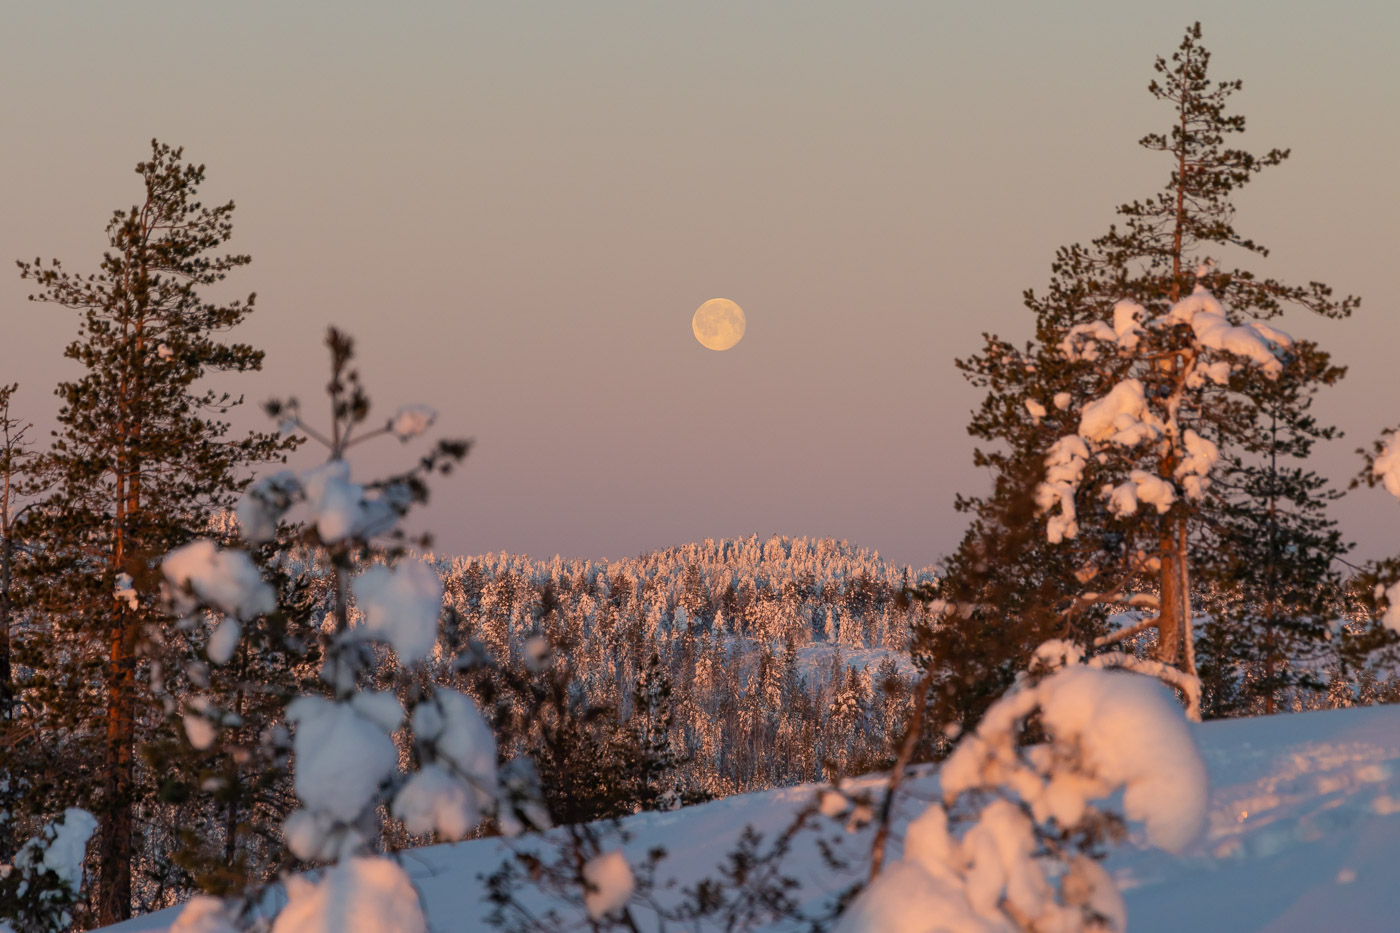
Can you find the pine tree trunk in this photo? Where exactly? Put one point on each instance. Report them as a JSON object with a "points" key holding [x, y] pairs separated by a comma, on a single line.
{"points": [[115, 842], [1169, 627], [115, 838]]}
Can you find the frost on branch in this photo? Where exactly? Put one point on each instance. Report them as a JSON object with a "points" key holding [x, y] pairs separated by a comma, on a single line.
{"points": [[341, 509], [338, 508], [203, 719], [1391, 617], [343, 753], [125, 591], [264, 503], [1124, 417], [1015, 866], [346, 763]]}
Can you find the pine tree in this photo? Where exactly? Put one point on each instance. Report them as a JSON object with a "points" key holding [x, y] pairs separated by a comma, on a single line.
{"points": [[1147, 366], [15, 458], [141, 461], [660, 760], [1276, 588]]}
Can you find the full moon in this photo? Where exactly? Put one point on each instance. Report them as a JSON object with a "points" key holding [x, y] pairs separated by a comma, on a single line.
{"points": [[718, 324]]}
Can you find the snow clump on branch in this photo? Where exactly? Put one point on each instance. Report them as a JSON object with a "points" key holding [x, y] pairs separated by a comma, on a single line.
{"points": [[1124, 415], [1065, 468], [1254, 340], [361, 895], [1108, 731], [401, 607], [610, 884], [340, 509], [411, 420], [1386, 466], [201, 574]]}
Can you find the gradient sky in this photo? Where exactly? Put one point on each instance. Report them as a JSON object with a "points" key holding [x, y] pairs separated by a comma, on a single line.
{"points": [[516, 208]]}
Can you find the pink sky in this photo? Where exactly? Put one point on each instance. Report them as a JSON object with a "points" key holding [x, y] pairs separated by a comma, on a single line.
{"points": [[516, 208]]}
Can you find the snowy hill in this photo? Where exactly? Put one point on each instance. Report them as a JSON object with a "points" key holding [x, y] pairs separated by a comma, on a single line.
{"points": [[1304, 835]]}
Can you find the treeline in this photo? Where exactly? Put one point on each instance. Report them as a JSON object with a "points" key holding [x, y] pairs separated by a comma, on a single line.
{"points": [[784, 660]]}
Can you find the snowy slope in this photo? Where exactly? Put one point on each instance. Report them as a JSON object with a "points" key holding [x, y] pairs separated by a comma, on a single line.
{"points": [[1304, 836]]}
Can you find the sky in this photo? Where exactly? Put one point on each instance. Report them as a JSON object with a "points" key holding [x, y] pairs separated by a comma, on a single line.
{"points": [[516, 208]]}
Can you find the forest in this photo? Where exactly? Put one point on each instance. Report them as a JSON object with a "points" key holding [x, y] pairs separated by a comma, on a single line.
{"points": [[244, 687]]}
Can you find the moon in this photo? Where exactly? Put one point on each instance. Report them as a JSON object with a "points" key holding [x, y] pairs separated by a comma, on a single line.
{"points": [[719, 324]]}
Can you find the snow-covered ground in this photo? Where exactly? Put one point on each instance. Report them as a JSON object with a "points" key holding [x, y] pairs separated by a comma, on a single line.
{"points": [[1304, 835]]}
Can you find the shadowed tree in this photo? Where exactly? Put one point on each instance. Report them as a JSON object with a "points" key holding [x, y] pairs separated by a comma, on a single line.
{"points": [[141, 461]]}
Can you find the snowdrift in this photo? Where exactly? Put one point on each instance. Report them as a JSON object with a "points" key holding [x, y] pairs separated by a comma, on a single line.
{"points": [[1303, 835]]}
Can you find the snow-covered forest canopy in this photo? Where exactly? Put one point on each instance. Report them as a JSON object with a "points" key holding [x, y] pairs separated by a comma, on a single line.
{"points": [[246, 692]]}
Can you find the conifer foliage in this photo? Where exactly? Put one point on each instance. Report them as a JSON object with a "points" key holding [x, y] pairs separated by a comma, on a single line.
{"points": [[142, 459], [1152, 363]]}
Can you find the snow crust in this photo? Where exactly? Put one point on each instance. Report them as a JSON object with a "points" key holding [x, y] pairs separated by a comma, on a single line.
{"points": [[1303, 834]]}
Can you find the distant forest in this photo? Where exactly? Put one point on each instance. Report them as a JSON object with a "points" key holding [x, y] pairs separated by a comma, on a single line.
{"points": [[775, 661]]}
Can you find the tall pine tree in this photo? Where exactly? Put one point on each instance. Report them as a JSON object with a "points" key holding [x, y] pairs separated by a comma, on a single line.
{"points": [[141, 461], [1149, 366]]}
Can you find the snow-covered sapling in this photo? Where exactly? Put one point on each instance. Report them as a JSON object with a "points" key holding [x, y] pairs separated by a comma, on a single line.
{"points": [[1013, 845], [346, 763]]}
